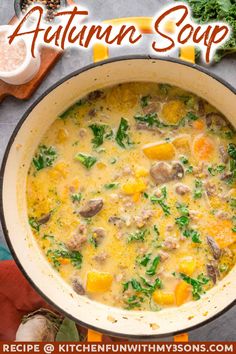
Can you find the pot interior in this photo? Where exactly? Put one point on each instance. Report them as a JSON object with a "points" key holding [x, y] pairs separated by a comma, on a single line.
{"points": [[18, 234]]}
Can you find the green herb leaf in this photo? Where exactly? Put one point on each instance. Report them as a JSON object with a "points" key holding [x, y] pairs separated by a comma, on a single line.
{"points": [[137, 236], [232, 151], [111, 185], [193, 234], [184, 160], [164, 88], [34, 224], [100, 132], [182, 221], [122, 137], [143, 261], [150, 120], [44, 157], [152, 270], [182, 208], [86, 160], [144, 101], [216, 170], [76, 197], [197, 284], [189, 170], [161, 201], [67, 332], [71, 109], [198, 191]]}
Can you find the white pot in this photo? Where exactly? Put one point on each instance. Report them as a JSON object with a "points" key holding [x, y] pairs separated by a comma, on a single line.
{"points": [[25, 72], [18, 234]]}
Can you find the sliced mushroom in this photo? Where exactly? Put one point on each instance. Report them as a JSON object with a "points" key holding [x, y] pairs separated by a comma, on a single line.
{"points": [[78, 287], [223, 154], [161, 172], [182, 189], [212, 271], [216, 251], [99, 234], [177, 171], [44, 219], [92, 208], [215, 119]]}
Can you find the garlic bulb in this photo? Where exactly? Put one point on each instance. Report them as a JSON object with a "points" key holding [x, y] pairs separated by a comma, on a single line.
{"points": [[37, 328]]}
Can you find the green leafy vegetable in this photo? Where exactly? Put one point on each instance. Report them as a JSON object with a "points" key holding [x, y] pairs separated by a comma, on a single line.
{"points": [[144, 101], [143, 261], [71, 109], [232, 202], [193, 234], [182, 221], [205, 11], [93, 241], [34, 224], [184, 160], [111, 185], [197, 284], [232, 151], [216, 170], [150, 119], [54, 256], [138, 236], [122, 137], [86, 160], [44, 157], [198, 191], [164, 88], [152, 270], [161, 201], [189, 170], [182, 208], [76, 197], [100, 132], [67, 332]]}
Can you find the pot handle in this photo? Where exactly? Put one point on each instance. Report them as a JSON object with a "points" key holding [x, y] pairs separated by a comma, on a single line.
{"points": [[144, 24], [101, 52]]}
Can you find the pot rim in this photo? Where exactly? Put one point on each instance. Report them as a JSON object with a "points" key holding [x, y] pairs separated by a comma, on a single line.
{"points": [[2, 172]]}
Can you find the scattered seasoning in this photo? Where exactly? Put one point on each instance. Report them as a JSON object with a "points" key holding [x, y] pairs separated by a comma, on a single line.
{"points": [[51, 5]]}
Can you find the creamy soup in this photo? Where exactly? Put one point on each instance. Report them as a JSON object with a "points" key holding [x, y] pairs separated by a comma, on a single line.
{"points": [[132, 196]]}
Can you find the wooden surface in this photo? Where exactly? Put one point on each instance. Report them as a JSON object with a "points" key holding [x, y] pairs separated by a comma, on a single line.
{"points": [[49, 57]]}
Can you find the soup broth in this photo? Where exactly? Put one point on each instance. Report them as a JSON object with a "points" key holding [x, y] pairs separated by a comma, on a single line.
{"points": [[132, 196]]}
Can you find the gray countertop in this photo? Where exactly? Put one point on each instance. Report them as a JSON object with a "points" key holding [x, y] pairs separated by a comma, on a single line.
{"points": [[11, 110]]}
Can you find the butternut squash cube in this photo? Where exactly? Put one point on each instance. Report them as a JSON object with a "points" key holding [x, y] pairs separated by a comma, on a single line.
{"points": [[163, 297], [173, 111], [98, 282], [182, 143], [159, 151], [182, 292], [134, 187], [187, 265]]}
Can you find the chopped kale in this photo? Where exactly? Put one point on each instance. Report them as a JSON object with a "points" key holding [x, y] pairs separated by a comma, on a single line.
{"points": [[144, 101], [152, 270], [86, 160], [111, 185], [100, 132], [137, 236], [45, 157], [198, 191], [34, 224], [71, 109], [161, 201], [122, 137], [197, 284], [76, 197]]}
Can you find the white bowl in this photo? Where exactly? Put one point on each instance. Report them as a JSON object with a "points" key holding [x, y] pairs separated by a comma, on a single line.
{"points": [[26, 71]]}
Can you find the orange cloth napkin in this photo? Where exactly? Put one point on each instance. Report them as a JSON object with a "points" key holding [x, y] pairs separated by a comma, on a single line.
{"points": [[17, 298]]}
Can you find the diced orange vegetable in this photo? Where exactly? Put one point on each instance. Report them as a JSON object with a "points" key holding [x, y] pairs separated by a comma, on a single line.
{"points": [[136, 197], [134, 187], [182, 143], [141, 172], [187, 53], [187, 265], [221, 231], [173, 111], [182, 292], [198, 124], [98, 282], [163, 297], [64, 261], [203, 147], [75, 183], [160, 151], [101, 165], [62, 135]]}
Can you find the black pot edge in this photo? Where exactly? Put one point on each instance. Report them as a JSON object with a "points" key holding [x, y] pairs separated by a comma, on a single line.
{"points": [[2, 171]]}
